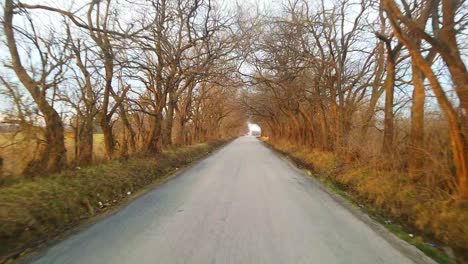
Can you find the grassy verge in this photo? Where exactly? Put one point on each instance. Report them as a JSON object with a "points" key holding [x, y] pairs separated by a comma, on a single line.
{"points": [[35, 210], [433, 223]]}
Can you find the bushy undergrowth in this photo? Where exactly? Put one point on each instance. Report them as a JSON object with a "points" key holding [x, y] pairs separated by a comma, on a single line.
{"points": [[428, 211], [36, 209]]}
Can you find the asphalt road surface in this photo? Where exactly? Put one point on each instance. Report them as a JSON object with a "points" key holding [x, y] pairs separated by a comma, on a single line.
{"points": [[243, 204]]}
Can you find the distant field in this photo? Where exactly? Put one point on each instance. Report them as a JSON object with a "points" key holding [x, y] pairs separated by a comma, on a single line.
{"points": [[16, 151]]}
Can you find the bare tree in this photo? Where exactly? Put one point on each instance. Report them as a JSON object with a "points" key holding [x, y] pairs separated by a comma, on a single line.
{"points": [[446, 46], [52, 60]]}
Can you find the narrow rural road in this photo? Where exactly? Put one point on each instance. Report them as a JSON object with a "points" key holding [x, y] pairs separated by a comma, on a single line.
{"points": [[243, 204]]}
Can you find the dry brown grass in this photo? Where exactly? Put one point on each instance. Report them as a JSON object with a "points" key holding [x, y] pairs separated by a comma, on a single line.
{"points": [[17, 151], [424, 205]]}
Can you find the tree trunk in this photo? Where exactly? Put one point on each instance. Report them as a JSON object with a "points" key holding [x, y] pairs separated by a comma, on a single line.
{"points": [[458, 138], [416, 154], [128, 127], [181, 133], [105, 116], [55, 140], [377, 82], [389, 85], [84, 155], [53, 156], [169, 119], [370, 112], [109, 143], [153, 142]]}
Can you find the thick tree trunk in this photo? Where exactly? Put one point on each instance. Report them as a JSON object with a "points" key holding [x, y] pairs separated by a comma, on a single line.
{"points": [[180, 139], [84, 155], [389, 84], [168, 122], [105, 115], [462, 156], [416, 154], [308, 128], [53, 156], [131, 133], [55, 140], [153, 141], [109, 143]]}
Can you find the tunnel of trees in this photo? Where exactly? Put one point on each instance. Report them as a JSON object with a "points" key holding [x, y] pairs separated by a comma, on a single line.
{"points": [[380, 79], [378, 84]]}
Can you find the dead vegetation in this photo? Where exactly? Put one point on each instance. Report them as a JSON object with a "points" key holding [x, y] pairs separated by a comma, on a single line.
{"points": [[371, 94], [38, 210], [375, 106]]}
